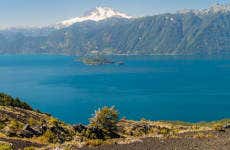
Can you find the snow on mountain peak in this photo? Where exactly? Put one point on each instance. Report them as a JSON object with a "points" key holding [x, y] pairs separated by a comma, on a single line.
{"points": [[98, 14], [216, 8], [220, 8]]}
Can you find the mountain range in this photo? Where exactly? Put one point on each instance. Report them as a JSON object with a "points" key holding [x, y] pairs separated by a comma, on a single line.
{"points": [[186, 32]]}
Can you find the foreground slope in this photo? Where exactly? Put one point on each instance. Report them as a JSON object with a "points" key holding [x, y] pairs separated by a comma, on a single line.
{"points": [[24, 127], [215, 141]]}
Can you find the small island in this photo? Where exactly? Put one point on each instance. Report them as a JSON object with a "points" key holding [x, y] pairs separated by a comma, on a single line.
{"points": [[98, 60]]}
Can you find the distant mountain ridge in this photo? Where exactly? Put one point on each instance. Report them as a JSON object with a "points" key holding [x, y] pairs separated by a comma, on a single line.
{"points": [[187, 32], [216, 8]]}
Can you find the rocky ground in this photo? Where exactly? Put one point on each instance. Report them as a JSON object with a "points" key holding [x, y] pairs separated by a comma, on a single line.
{"points": [[20, 144], [211, 140], [22, 127]]}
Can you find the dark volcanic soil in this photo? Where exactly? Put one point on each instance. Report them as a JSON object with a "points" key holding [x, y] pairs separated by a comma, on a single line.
{"points": [[20, 144], [215, 141], [218, 141]]}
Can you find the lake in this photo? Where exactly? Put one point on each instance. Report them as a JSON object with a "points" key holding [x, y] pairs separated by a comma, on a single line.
{"points": [[152, 87]]}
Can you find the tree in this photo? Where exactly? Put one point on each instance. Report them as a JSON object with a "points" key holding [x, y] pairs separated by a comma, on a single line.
{"points": [[105, 119]]}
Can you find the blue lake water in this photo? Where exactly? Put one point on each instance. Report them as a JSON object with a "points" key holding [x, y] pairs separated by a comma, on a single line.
{"points": [[157, 88]]}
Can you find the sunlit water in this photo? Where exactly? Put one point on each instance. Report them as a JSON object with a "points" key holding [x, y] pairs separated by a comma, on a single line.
{"points": [[156, 88]]}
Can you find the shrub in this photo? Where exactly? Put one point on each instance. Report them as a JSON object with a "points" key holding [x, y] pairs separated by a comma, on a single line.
{"points": [[30, 148], [33, 122], [57, 134], [96, 142], [164, 131], [50, 137], [104, 123], [93, 133], [105, 119], [6, 100], [13, 128], [54, 121], [5, 146], [2, 125], [15, 125], [218, 127], [203, 135]]}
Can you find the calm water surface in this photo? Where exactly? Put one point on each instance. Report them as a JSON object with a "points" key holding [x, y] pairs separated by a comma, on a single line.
{"points": [[156, 88]]}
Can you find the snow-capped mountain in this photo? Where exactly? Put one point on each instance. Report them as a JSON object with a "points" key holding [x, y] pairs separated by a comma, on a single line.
{"points": [[219, 8], [98, 14], [216, 8]]}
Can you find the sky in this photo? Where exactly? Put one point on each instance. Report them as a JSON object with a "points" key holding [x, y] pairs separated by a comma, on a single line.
{"points": [[15, 13]]}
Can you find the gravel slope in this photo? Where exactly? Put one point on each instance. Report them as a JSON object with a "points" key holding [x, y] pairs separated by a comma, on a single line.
{"points": [[217, 141]]}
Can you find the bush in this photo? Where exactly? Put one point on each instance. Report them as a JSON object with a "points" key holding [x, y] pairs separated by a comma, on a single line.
{"points": [[96, 142], [33, 122], [54, 121], [6, 100], [218, 127], [103, 124], [93, 133], [5, 146], [15, 125], [105, 119], [13, 128], [164, 131], [57, 134], [2, 125], [30, 148], [50, 137]]}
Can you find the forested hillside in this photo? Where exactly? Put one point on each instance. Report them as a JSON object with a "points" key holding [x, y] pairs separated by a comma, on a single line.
{"points": [[186, 32]]}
